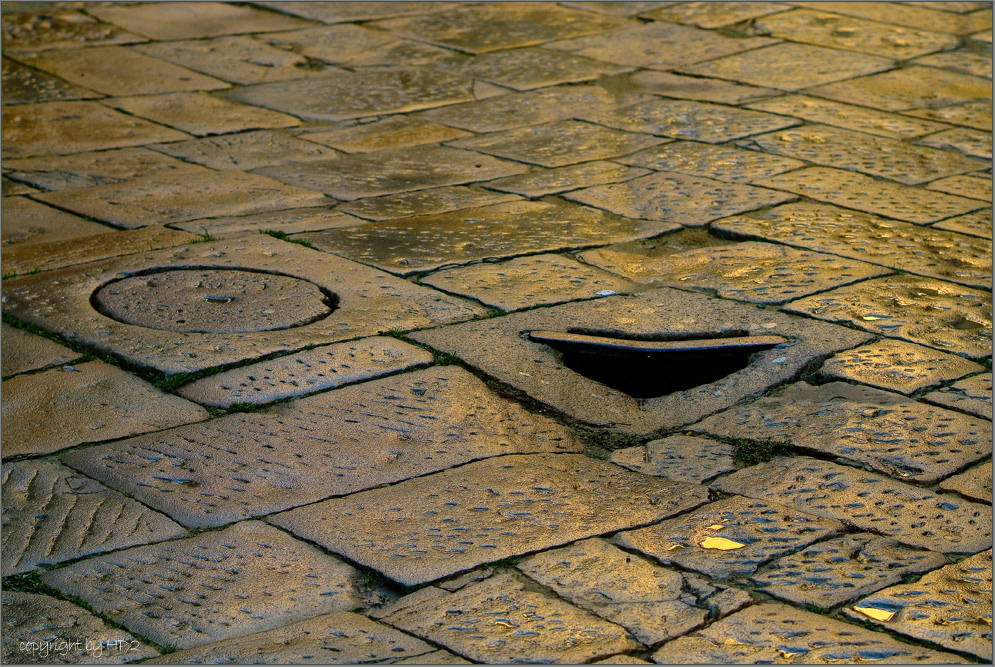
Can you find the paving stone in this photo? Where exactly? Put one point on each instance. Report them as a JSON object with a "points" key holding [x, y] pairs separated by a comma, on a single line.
{"points": [[712, 15], [908, 88], [343, 12], [335, 443], [528, 68], [342, 95], [622, 659], [247, 578], [790, 66], [497, 348], [682, 458], [423, 202], [156, 200], [923, 15], [201, 114], [23, 351], [289, 221], [306, 372], [497, 26], [722, 163], [22, 85], [58, 128], [975, 483], [972, 114], [412, 53], [973, 395], [729, 538], [391, 172], [336, 44], [540, 182], [964, 186], [869, 238], [391, 132], [14, 188], [674, 197], [508, 620], [868, 501], [965, 61], [779, 633], [978, 224], [616, 8], [950, 607], [657, 45], [439, 657], [339, 638], [970, 142], [843, 569], [28, 222], [42, 630], [754, 272], [32, 31], [187, 20], [247, 150], [938, 314], [53, 514], [897, 366], [433, 526], [676, 86]]}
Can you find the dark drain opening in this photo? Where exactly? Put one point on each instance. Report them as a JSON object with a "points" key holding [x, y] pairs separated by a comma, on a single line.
{"points": [[652, 368]]}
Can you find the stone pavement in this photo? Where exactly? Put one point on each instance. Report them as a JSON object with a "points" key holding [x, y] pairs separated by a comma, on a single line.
{"points": [[439, 333]]}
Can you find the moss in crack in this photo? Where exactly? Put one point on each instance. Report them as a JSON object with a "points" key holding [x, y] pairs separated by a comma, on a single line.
{"points": [[752, 452], [284, 237], [243, 407]]}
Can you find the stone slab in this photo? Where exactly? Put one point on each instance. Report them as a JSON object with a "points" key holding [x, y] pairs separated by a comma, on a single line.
{"points": [[53, 514], [897, 366], [423, 202], [346, 12], [14, 188], [722, 163], [39, 31], [668, 84], [38, 629], [924, 15], [840, 570], [426, 528], [908, 88], [247, 150], [976, 143], [973, 395], [202, 114], [747, 271], [616, 8], [23, 351], [247, 578], [289, 221], [186, 20], [307, 372], [391, 132], [529, 281], [529, 68], [369, 302], [392, 171], [22, 85], [340, 44], [27, 222], [868, 501], [336, 443], [779, 633], [963, 61], [971, 114], [502, 230], [973, 224], [975, 483], [58, 128], [439, 657], [682, 458], [950, 607], [539, 182], [497, 348], [730, 538], [964, 186], [712, 15]]}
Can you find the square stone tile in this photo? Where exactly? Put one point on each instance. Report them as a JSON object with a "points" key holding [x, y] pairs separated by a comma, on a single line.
{"points": [[528, 68], [34, 31], [970, 142], [27, 222], [24, 351], [975, 483], [53, 514], [247, 150], [423, 202], [346, 12], [791, 66], [682, 458], [539, 182], [971, 114], [247, 578], [157, 200], [86, 170], [22, 85], [288, 221], [897, 366], [668, 84], [712, 14], [498, 348], [965, 186], [687, 200], [391, 132], [915, 516], [924, 15], [89, 402], [188, 20], [908, 88], [973, 395], [430, 527], [58, 128], [964, 61], [201, 114], [422, 243], [722, 163], [368, 302]]}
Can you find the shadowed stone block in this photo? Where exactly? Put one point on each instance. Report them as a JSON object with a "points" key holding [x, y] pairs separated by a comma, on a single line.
{"points": [[682, 458], [973, 395], [23, 351], [975, 483]]}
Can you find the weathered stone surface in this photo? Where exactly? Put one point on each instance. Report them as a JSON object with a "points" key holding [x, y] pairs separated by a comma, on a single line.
{"points": [[186, 20], [970, 142], [32, 31], [971, 114], [648, 600], [529, 281], [339, 638], [370, 302], [497, 348], [682, 458], [975, 483], [201, 114], [28, 222], [909, 88], [723, 163], [681, 87], [869, 238], [336, 44], [621, 659], [391, 132], [964, 61], [423, 202], [14, 188], [503, 230], [306, 372], [23, 351], [247, 150], [393, 171], [540, 182], [53, 514], [674, 197], [779, 633], [525, 69], [868, 501], [977, 224], [440, 657], [153, 200], [22, 85], [748, 271], [964, 186], [342, 12], [973, 395], [57, 128], [729, 538], [289, 221], [950, 607], [433, 526], [42, 630], [380, 432], [897, 366], [217, 585], [616, 8], [713, 15], [790, 66], [924, 15], [841, 570]]}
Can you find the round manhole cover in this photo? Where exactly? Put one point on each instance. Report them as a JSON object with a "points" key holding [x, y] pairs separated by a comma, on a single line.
{"points": [[213, 301]]}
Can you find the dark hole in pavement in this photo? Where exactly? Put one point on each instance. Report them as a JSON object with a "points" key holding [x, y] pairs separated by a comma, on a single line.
{"points": [[651, 368]]}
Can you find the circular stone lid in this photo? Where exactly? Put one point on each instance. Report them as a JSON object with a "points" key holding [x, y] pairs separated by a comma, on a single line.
{"points": [[213, 301]]}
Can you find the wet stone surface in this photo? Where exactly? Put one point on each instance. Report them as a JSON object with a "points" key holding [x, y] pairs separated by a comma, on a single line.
{"points": [[975, 483], [423, 202], [909, 88], [525, 69], [23, 351], [213, 586], [335, 443], [868, 501], [391, 132], [722, 163], [441, 524], [185, 20], [202, 114], [22, 85], [248, 150], [29, 31], [540, 182], [950, 607], [973, 395], [682, 458]]}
